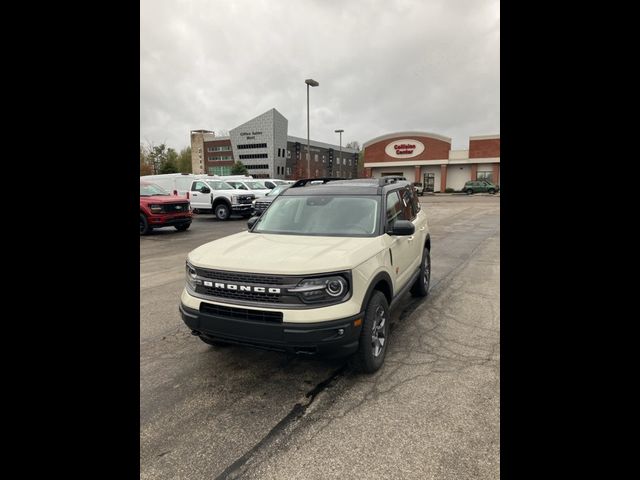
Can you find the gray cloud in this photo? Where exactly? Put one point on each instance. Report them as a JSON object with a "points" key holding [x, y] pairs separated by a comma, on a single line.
{"points": [[383, 66]]}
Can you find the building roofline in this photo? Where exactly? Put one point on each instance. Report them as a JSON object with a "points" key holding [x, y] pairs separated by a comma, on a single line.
{"points": [[406, 134], [485, 137], [314, 143]]}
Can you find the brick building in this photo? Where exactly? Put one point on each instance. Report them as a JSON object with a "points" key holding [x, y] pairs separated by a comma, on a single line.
{"points": [[264, 147], [428, 158]]}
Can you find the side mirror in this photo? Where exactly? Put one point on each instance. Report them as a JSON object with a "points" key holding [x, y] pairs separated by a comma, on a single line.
{"points": [[402, 227], [251, 222], [205, 190]]}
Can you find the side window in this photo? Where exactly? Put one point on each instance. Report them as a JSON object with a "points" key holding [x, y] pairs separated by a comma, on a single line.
{"points": [[407, 202], [395, 209], [415, 204], [197, 186]]}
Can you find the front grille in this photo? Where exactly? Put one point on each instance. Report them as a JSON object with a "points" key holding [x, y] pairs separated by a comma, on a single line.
{"points": [[245, 200], [175, 207], [241, 313], [240, 277], [238, 295], [262, 205]]}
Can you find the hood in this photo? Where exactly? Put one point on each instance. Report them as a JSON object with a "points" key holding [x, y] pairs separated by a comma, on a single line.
{"points": [[285, 254], [260, 193], [164, 199]]}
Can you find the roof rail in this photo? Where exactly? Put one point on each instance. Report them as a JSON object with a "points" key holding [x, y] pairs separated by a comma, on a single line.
{"points": [[304, 181], [390, 179]]}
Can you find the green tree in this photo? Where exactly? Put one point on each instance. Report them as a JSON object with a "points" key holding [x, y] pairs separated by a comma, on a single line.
{"points": [[145, 164], [238, 168], [184, 160]]}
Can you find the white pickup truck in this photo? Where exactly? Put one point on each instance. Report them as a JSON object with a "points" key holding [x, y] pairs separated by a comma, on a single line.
{"points": [[206, 193]]}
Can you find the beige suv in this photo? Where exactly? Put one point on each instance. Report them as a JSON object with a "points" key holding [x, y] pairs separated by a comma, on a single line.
{"points": [[317, 273]]}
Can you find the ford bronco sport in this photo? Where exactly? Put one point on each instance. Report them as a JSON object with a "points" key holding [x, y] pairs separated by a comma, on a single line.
{"points": [[318, 272]]}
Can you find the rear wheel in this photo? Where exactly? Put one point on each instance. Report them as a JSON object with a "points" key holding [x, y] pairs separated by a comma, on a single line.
{"points": [[492, 191], [469, 191], [374, 335], [221, 211], [421, 286], [145, 229], [183, 227]]}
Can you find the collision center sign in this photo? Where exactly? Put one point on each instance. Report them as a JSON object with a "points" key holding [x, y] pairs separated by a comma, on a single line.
{"points": [[404, 148]]}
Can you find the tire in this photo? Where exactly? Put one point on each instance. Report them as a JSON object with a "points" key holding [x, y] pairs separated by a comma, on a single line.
{"points": [[469, 191], [221, 211], [492, 191], [183, 227], [371, 351], [145, 229], [213, 343], [420, 288]]}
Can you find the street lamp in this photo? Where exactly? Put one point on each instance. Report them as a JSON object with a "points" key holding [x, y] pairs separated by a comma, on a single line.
{"points": [[340, 132], [313, 83]]}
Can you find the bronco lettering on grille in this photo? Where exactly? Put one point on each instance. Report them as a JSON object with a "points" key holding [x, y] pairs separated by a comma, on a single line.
{"points": [[244, 288]]}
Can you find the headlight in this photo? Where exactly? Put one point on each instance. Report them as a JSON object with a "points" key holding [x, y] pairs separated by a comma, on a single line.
{"points": [[253, 203], [155, 208], [234, 199], [192, 276], [323, 289]]}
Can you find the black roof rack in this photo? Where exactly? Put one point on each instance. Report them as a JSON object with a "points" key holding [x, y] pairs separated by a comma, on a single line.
{"points": [[304, 181], [390, 179]]}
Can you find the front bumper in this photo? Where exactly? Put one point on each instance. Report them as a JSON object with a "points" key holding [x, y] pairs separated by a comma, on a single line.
{"points": [[169, 220], [241, 208], [333, 338]]}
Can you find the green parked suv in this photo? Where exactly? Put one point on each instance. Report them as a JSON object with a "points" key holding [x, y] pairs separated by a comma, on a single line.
{"points": [[478, 186]]}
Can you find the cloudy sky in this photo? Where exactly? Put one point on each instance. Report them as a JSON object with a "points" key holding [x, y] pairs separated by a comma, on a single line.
{"points": [[383, 66]]}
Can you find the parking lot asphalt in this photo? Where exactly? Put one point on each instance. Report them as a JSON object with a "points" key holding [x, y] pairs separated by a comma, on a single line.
{"points": [[432, 411]]}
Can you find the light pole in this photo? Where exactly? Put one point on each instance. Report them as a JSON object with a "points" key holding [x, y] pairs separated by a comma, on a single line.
{"points": [[340, 132], [313, 83]]}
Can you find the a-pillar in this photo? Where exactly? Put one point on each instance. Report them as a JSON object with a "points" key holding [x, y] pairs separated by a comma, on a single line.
{"points": [[418, 174], [496, 173], [474, 171], [443, 178]]}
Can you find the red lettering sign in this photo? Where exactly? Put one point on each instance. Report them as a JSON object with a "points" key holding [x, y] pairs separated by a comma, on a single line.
{"points": [[404, 148]]}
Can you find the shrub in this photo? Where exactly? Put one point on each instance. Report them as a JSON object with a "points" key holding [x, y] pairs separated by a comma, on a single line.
{"points": [[449, 190]]}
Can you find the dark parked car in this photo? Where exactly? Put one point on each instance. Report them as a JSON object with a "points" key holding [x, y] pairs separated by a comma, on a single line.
{"points": [[261, 204], [478, 186]]}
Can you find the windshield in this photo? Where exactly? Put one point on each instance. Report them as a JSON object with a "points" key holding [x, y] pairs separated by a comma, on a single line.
{"points": [[321, 215], [219, 185], [149, 189], [256, 185], [277, 191]]}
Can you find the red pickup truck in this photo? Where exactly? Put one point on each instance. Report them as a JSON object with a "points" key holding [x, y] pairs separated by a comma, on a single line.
{"points": [[158, 208]]}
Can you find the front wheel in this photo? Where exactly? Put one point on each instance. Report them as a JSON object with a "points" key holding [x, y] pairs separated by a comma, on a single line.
{"points": [[469, 191], [492, 191], [374, 335], [221, 211], [421, 286], [145, 229], [183, 227]]}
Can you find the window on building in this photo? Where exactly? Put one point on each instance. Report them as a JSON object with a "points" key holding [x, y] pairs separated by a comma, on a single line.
{"points": [[219, 170], [315, 156], [488, 176], [288, 170], [252, 145], [253, 155]]}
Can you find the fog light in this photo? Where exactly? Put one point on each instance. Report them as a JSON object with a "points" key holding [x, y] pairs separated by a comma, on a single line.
{"points": [[341, 331]]}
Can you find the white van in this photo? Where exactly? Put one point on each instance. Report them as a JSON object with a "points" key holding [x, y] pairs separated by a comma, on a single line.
{"points": [[273, 182], [256, 187], [176, 183]]}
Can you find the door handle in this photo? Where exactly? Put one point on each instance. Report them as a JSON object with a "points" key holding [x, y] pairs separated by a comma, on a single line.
{"points": [[410, 239], [422, 229]]}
